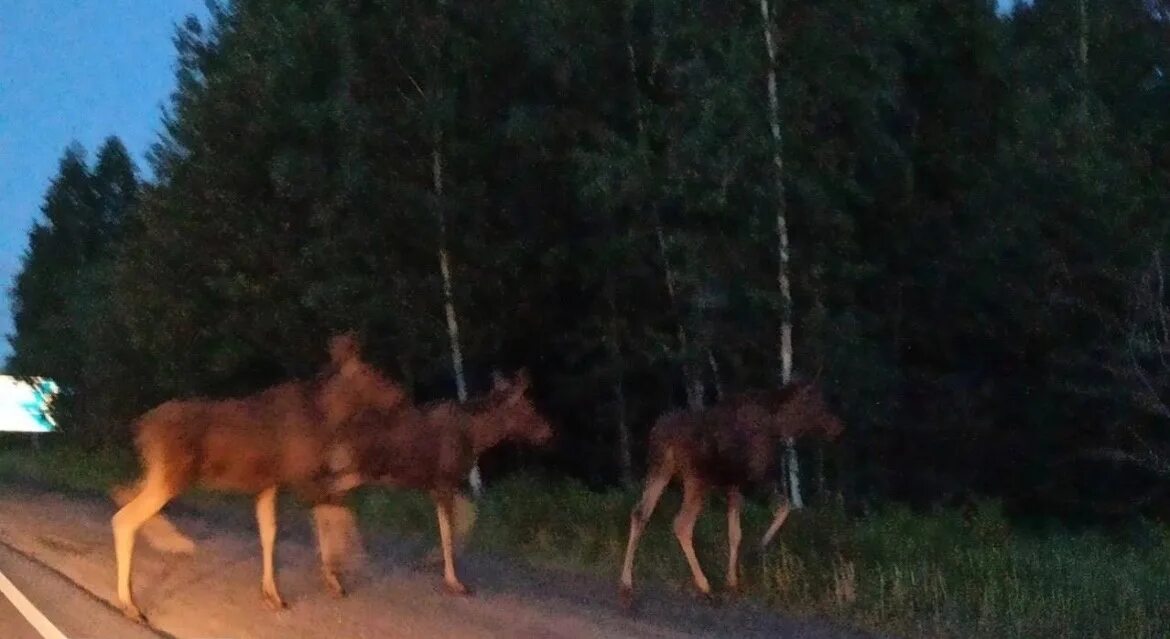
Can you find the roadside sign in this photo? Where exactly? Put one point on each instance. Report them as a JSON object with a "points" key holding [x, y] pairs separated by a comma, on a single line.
{"points": [[25, 406]]}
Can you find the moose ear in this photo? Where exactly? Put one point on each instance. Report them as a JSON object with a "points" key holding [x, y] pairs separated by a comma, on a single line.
{"points": [[522, 379]]}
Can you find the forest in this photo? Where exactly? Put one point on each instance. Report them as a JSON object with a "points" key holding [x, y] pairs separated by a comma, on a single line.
{"points": [[949, 214]]}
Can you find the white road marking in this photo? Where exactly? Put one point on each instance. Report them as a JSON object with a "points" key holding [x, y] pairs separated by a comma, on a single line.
{"points": [[38, 621]]}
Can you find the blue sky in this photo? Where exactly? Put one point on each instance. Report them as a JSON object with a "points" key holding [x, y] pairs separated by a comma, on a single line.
{"points": [[74, 70]]}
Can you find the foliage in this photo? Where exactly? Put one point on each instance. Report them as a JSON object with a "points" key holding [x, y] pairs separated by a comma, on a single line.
{"points": [[972, 198], [66, 327]]}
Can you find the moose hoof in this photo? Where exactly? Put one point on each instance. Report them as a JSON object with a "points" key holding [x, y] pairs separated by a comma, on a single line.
{"points": [[733, 590], [456, 588], [333, 586], [706, 596], [273, 601], [133, 613]]}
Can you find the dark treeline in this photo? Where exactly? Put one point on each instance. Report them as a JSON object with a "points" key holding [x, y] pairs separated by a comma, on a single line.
{"points": [[975, 203]]}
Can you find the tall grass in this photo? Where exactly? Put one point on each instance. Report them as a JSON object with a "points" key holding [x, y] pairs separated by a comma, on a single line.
{"points": [[65, 466], [896, 571], [918, 575]]}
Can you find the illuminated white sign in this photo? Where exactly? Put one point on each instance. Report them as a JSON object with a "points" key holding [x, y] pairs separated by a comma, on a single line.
{"points": [[24, 407]]}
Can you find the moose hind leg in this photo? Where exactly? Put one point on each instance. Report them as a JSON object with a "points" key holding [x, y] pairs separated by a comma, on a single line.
{"points": [[657, 482], [266, 520], [694, 493], [778, 520], [147, 503], [158, 531]]}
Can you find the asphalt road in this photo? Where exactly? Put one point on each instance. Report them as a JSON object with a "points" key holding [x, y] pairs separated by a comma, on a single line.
{"points": [[76, 613], [215, 593], [12, 624]]}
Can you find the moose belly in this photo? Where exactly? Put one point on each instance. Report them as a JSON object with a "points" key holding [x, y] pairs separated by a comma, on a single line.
{"points": [[724, 474], [246, 462], [735, 463], [412, 476], [246, 471], [411, 458]]}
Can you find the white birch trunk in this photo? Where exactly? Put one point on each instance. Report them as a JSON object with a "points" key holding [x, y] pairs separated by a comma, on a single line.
{"points": [[794, 492], [449, 297], [793, 465]]}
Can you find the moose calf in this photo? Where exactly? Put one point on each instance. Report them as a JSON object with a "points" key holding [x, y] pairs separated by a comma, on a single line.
{"points": [[434, 446], [726, 447]]}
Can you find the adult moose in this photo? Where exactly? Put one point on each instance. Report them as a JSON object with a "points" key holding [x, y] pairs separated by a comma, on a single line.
{"points": [[726, 447], [255, 444], [432, 448]]}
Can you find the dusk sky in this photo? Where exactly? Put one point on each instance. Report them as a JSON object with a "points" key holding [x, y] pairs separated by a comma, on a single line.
{"points": [[75, 70]]}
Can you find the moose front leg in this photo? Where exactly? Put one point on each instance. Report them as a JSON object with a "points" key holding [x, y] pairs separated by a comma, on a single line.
{"points": [[444, 507], [734, 536], [336, 528], [266, 520], [337, 538]]}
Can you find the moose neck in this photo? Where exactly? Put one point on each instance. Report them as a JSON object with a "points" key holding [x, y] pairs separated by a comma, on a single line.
{"points": [[486, 429]]}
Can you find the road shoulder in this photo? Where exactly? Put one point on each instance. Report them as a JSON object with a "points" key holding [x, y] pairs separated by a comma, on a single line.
{"points": [[216, 593], [72, 609]]}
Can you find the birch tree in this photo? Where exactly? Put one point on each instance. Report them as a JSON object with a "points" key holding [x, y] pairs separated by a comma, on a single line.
{"points": [[438, 103], [449, 295], [786, 314]]}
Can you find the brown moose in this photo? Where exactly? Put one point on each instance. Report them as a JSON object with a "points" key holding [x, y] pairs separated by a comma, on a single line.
{"points": [[725, 447], [433, 447], [255, 444]]}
